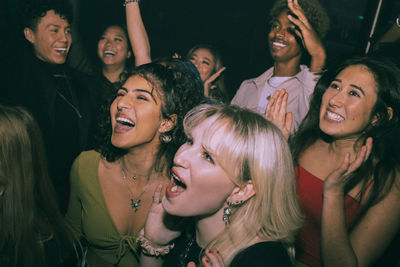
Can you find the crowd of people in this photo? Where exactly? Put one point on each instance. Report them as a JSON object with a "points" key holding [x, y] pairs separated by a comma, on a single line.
{"points": [[146, 162]]}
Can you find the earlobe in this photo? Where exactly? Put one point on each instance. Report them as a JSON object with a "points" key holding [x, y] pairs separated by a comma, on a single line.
{"points": [[390, 112], [240, 195], [376, 118], [28, 33], [168, 124], [129, 54]]}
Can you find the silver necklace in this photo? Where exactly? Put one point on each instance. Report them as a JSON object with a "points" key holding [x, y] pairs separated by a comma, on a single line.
{"points": [[183, 256], [135, 203]]}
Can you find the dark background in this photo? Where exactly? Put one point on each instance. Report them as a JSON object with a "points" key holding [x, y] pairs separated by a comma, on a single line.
{"points": [[237, 28]]}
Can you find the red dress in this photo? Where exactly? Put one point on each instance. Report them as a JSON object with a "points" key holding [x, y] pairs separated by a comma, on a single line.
{"points": [[309, 190]]}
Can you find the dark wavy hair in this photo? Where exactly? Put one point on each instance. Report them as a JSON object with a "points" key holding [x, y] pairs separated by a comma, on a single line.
{"points": [[178, 94], [384, 162], [32, 12], [314, 11], [29, 215], [129, 63]]}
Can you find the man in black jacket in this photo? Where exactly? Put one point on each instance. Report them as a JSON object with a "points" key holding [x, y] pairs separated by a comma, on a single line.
{"points": [[62, 100]]}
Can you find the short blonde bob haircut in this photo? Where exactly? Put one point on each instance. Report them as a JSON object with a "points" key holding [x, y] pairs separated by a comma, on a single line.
{"points": [[252, 149]]}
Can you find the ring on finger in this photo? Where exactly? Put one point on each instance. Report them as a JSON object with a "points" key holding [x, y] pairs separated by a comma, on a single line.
{"points": [[304, 20]]}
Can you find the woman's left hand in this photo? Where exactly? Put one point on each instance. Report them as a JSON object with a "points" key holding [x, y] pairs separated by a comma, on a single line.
{"points": [[335, 182], [211, 259], [309, 37], [208, 83]]}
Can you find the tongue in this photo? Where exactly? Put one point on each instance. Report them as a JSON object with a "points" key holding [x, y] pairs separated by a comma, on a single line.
{"points": [[123, 126], [176, 189]]}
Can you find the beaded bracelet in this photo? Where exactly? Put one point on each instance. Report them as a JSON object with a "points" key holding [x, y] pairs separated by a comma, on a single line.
{"points": [[149, 250], [130, 1]]}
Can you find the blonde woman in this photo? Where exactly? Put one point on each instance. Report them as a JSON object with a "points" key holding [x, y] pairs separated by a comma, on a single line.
{"points": [[234, 179]]}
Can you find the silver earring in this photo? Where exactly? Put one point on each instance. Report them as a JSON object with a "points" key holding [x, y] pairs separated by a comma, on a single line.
{"points": [[166, 138], [226, 217]]}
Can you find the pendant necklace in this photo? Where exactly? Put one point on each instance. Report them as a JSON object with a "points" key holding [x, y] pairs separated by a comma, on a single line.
{"points": [[135, 203]]}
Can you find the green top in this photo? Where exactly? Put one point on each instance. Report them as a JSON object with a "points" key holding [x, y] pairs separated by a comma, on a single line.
{"points": [[89, 216]]}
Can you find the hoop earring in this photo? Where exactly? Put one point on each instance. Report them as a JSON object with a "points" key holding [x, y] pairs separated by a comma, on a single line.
{"points": [[226, 217]]}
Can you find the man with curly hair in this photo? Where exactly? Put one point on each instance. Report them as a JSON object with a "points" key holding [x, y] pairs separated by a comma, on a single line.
{"points": [[61, 99], [297, 27]]}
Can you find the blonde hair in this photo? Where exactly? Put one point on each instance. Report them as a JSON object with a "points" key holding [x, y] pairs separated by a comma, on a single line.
{"points": [[252, 149]]}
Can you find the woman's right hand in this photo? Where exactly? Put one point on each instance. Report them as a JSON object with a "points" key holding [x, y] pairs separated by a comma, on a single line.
{"points": [[155, 228], [276, 112]]}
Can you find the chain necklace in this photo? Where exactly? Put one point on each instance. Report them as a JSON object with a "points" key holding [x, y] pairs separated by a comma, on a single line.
{"points": [[135, 203], [185, 253]]}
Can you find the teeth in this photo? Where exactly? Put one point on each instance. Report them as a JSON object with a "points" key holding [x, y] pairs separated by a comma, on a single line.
{"points": [[334, 116], [278, 44], [176, 177], [174, 188], [124, 120], [109, 52], [62, 50]]}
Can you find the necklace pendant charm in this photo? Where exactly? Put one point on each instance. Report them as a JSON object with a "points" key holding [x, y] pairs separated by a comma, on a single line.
{"points": [[135, 204]]}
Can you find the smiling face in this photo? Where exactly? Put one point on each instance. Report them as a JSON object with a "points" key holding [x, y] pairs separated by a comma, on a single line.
{"points": [[52, 38], [204, 61], [112, 47], [136, 115], [199, 186], [348, 102], [283, 45]]}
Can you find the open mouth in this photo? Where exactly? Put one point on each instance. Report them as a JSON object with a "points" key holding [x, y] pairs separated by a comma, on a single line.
{"points": [[123, 125], [61, 50], [278, 44], [334, 116], [175, 186], [109, 53]]}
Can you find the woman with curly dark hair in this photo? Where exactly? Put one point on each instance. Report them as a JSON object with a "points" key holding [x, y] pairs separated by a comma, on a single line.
{"points": [[112, 188], [348, 165]]}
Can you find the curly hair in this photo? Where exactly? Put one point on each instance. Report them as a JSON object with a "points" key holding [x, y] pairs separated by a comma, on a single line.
{"points": [[384, 161], [32, 12], [179, 94], [314, 11]]}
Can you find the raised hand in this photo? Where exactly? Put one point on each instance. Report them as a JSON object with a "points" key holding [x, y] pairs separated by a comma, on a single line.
{"points": [[336, 180], [276, 112], [306, 33], [176, 56], [210, 80], [155, 228]]}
